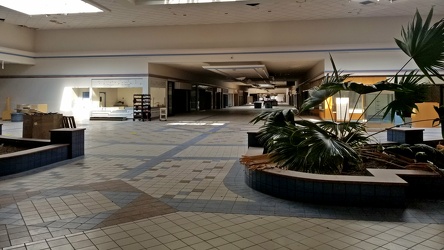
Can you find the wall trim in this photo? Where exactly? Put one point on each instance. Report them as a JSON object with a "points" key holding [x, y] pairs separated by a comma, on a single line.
{"points": [[219, 53], [77, 76]]}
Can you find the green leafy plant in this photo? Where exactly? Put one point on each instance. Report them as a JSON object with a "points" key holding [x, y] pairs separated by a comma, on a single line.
{"points": [[328, 147], [315, 147], [424, 44]]}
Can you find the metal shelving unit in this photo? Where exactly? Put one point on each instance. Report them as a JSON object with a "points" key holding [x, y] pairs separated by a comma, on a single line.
{"points": [[142, 107]]}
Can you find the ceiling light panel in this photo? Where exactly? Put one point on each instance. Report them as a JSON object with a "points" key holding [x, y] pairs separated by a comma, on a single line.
{"points": [[240, 71], [46, 7]]}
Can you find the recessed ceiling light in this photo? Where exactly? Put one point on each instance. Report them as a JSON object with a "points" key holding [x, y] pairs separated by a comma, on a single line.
{"points": [[42, 7]]}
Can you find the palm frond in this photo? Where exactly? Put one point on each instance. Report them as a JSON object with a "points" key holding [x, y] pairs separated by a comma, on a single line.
{"points": [[274, 122], [330, 85], [353, 133], [424, 44], [310, 148], [384, 85], [361, 88], [440, 111], [319, 94], [312, 151], [278, 117], [409, 92]]}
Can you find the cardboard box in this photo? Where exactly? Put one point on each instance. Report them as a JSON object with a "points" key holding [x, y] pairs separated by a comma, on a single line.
{"points": [[38, 125]]}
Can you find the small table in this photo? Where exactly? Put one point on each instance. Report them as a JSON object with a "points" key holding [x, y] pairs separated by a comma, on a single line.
{"points": [[257, 105]]}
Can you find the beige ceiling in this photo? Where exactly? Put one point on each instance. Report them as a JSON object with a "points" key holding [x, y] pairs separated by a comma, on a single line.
{"points": [[277, 71], [124, 13], [132, 13]]}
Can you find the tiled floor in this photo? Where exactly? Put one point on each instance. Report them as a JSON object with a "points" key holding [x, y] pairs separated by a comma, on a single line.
{"points": [[171, 185]]}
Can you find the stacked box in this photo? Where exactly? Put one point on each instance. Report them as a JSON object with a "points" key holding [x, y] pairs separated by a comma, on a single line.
{"points": [[38, 125]]}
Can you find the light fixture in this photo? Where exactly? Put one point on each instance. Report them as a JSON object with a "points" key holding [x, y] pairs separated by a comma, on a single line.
{"points": [[45, 7]]}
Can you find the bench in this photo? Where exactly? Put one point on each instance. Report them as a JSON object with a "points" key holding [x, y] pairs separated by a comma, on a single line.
{"points": [[405, 135]]}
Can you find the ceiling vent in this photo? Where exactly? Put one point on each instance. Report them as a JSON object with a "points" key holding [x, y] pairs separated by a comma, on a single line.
{"points": [[366, 2]]}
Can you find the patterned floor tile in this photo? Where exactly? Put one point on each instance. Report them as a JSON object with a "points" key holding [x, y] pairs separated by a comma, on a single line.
{"points": [[160, 185]]}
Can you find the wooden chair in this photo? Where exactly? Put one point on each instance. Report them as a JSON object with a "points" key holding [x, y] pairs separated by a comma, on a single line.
{"points": [[68, 122]]}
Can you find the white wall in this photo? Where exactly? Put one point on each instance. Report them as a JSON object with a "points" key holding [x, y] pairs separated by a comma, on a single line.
{"points": [[111, 96], [126, 95], [66, 59], [59, 94], [241, 35], [16, 37], [16, 44], [63, 95], [261, 91], [158, 96], [83, 66]]}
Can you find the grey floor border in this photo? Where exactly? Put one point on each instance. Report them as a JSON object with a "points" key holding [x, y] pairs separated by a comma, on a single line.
{"points": [[419, 211]]}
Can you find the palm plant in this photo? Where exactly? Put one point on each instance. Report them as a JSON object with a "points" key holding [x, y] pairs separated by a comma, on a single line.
{"points": [[440, 120], [328, 146]]}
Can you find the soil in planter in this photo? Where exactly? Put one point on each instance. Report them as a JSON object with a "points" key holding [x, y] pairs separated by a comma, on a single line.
{"points": [[372, 158], [6, 149], [367, 163]]}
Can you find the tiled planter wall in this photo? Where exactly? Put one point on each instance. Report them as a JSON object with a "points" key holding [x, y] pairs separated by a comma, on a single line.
{"points": [[75, 137], [32, 158], [425, 187], [327, 192], [64, 144], [345, 190]]}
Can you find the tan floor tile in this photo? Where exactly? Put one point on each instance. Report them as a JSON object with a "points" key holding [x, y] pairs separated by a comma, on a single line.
{"points": [[107, 245], [38, 245], [309, 242], [149, 244], [394, 246], [403, 242], [119, 235], [82, 244], [202, 245], [77, 237], [376, 241], [365, 245]]}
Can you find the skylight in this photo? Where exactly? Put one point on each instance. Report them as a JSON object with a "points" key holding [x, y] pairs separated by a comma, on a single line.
{"points": [[195, 1], [45, 7], [160, 2]]}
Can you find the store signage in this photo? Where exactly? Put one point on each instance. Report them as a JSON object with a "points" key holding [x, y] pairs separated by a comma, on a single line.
{"points": [[117, 83]]}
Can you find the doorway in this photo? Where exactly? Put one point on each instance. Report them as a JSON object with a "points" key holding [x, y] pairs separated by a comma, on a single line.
{"points": [[102, 99], [170, 90]]}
